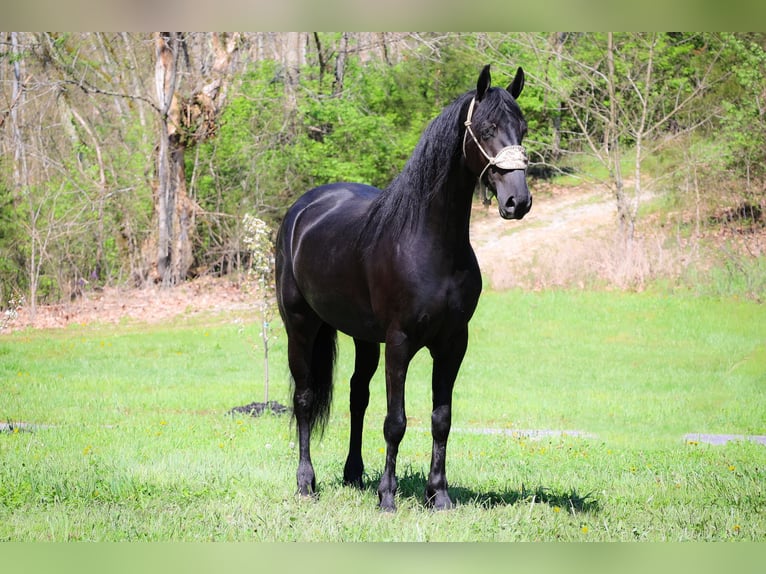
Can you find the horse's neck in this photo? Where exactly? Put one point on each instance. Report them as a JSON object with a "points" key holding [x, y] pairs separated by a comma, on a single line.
{"points": [[449, 214]]}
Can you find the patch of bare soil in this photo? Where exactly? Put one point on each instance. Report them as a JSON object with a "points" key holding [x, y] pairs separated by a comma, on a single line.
{"points": [[558, 228], [151, 304]]}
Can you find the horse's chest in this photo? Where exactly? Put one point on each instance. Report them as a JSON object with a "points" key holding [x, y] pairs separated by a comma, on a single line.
{"points": [[446, 302], [462, 294]]}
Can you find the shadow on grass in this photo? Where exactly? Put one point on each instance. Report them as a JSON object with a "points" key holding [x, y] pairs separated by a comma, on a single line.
{"points": [[570, 500], [412, 485]]}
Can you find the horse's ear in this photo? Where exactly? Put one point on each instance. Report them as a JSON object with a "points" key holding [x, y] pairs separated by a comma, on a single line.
{"points": [[517, 84], [482, 85]]}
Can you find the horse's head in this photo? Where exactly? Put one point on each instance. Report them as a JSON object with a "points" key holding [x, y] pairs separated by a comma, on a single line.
{"points": [[492, 146]]}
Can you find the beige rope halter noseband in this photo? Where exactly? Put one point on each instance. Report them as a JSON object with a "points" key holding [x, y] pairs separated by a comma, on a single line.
{"points": [[510, 157]]}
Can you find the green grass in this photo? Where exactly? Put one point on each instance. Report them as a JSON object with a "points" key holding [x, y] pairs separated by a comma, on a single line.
{"points": [[130, 439]]}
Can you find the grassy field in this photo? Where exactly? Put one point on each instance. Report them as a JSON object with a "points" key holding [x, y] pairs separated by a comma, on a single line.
{"points": [[126, 435]]}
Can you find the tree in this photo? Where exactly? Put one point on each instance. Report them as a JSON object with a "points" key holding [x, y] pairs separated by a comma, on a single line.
{"points": [[20, 167], [48, 209], [85, 161], [743, 121], [167, 48], [259, 241], [624, 91], [184, 121]]}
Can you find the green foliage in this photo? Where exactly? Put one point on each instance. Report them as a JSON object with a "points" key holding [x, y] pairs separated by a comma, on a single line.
{"points": [[11, 234], [743, 123], [364, 134], [275, 140], [341, 142], [247, 165]]}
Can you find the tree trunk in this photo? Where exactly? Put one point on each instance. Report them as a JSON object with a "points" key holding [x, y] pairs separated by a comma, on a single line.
{"points": [[175, 211], [166, 51], [184, 122], [558, 39], [612, 142], [340, 65], [182, 255], [99, 264], [293, 59], [21, 170]]}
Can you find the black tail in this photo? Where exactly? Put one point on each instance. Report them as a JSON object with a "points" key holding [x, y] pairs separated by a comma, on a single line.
{"points": [[322, 370]]}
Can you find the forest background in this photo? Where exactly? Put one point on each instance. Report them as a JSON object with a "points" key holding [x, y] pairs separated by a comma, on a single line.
{"points": [[134, 159]]}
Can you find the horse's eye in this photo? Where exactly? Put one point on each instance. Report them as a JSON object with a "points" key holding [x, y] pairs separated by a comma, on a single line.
{"points": [[488, 131]]}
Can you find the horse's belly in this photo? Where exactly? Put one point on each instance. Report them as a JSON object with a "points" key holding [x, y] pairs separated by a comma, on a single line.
{"points": [[335, 287], [346, 311]]}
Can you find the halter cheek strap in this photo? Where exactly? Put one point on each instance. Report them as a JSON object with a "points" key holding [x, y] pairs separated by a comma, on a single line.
{"points": [[510, 157]]}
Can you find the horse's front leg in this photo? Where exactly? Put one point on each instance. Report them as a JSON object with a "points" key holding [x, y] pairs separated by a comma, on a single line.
{"points": [[365, 365], [447, 356], [399, 352]]}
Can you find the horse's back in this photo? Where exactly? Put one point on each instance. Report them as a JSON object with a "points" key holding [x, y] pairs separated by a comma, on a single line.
{"points": [[334, 210]]}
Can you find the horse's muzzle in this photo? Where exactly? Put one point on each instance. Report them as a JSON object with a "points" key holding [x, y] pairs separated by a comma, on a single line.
{"points": [[514, 210]]}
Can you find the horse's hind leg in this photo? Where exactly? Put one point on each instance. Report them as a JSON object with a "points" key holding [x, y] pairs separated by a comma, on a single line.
{"points": [[365, 365], [311, 350], [299, 358]]}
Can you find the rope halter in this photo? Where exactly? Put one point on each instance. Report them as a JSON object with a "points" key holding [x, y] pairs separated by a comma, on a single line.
{"points": [[510, 157]]}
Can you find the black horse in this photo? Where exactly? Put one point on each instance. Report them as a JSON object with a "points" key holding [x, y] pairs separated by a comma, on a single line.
{"points": [[396, 267]]}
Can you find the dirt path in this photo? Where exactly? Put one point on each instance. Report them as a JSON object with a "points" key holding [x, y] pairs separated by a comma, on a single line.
{"points": [[508, 249]]}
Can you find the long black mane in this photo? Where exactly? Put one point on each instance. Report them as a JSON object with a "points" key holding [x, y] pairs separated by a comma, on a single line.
{"points": [[402, 203], [426, 172]]}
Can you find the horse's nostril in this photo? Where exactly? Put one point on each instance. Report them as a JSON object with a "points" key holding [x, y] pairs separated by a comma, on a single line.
{"points": [[510, 202]]}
